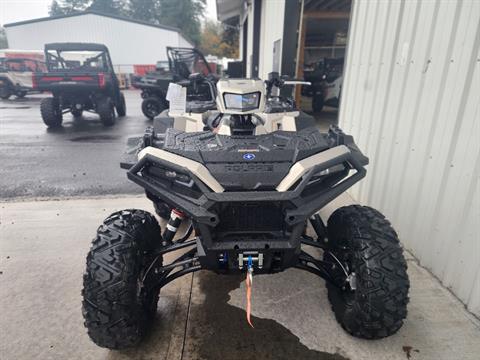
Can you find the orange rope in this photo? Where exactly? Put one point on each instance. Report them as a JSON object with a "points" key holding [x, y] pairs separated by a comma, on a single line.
{"points": [[249, 297]]}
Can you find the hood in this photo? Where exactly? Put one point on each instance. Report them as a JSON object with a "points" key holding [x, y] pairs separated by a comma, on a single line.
{"points": [[249, 162]]}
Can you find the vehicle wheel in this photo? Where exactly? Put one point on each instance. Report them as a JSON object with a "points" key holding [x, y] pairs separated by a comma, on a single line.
{"points": [[106, 111], [317, 103], [51, 112], [117, 309], [373, 303], [20, 94], [5, 92], [76, 112], [122, 106], [152, 107]]}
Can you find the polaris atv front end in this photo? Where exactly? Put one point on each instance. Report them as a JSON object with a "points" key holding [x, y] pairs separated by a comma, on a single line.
{"points": [[245, 188], [234, 218]]}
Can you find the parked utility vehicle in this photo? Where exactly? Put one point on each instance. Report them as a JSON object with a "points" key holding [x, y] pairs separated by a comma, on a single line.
{"points": [[327, 88], [246, 174], [80, 77], [154, 85], [16, 76]]}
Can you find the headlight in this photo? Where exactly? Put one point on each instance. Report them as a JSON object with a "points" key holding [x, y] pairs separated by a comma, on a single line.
{"points": [[242, 102]]}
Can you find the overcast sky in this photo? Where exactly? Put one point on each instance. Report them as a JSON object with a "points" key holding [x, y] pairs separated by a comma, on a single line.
{"points": [[18, 10]]}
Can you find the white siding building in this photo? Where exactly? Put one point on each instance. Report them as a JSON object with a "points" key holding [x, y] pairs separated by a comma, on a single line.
{"points": [[130, 42], [411, 99]]}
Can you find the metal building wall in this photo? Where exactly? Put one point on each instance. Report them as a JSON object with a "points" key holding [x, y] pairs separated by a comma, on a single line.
{"points": [[129, 43], [273, 13], [411, 99]]}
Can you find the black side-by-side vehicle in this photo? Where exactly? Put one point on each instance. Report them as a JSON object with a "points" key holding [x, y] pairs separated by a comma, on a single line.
{"points": [[81, 78], [182, 62]]}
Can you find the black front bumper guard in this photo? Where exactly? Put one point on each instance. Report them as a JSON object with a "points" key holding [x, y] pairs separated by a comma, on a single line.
{"points": [[303, 207]]}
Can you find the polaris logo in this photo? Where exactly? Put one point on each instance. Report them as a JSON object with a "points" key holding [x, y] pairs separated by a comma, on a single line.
{"points": [[248, 167], [249, 156]]}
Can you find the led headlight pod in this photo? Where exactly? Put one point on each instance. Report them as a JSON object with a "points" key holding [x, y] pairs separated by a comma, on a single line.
{"points": [[242, 102]]}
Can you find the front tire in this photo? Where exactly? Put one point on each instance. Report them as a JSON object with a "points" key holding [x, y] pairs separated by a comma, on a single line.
{"points": [[152, 107], [51, 112], [106, 111], [117, 310], [366, 244]]}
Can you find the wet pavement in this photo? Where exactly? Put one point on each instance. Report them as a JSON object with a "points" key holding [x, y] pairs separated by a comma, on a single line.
{"points": [[81, 158]]}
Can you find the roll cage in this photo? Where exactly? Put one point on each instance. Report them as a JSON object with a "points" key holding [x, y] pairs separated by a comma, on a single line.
{"points": [[185, 61], [56, 62]]}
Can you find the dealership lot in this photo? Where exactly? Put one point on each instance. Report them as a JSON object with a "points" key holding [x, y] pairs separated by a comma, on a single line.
{"points": [[42, 258], [80, 158]]}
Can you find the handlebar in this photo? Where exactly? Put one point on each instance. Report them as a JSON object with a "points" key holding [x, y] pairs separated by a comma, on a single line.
{"points": [[296, 82], [274, 79]]}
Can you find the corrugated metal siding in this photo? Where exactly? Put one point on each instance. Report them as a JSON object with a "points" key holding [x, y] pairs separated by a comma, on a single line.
{"points": [[411, 99], [272, 14], [129, 43]]}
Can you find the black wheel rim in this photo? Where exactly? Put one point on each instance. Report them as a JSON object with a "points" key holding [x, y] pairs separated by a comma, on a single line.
{"points": [[152, 109]]}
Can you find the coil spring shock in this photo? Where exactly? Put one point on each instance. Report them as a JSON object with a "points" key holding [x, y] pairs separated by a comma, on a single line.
{"points": [[176, 218]]}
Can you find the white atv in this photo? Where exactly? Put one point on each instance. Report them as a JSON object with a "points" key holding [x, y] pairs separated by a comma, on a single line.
{"points": [[246, 173]]}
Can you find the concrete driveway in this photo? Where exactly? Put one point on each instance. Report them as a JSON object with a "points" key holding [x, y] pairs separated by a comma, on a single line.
{"points": [[42, 257]]}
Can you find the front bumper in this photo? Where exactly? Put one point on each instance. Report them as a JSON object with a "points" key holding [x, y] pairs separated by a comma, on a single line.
{"points": [[234, 223]]}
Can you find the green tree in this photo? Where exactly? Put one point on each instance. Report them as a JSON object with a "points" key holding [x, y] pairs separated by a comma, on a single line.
{"points": [[145, 10], [183, 14], [3, 39], [186, 15], [55, 9], [230, 37], [63, 7], [213, 41], [113, 7]]}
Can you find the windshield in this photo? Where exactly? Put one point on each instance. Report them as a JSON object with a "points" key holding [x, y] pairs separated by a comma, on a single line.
{"points": [[77, 60], [21, 65]]}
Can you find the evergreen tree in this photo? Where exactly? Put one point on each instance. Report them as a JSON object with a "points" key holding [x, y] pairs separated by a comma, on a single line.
{"points": [[145, 10], [63, 7], [112, 7], [185, 15]]}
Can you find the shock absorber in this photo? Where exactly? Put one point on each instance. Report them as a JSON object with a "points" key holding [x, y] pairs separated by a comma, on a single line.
{"points": [[176, 217]]}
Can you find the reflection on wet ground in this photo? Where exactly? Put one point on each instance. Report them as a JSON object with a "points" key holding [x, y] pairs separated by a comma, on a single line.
{"points": [[218, 330]]}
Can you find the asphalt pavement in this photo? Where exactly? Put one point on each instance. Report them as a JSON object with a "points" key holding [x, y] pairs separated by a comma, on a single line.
{"points": [[81, 158]]}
